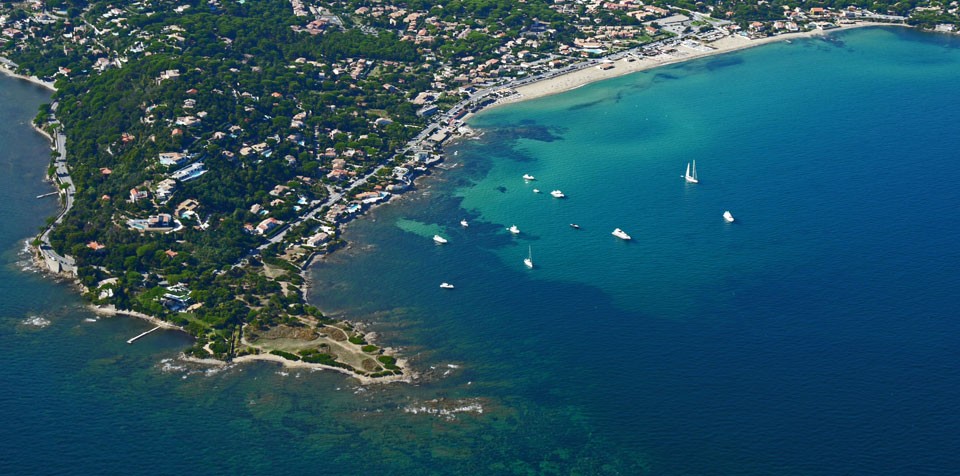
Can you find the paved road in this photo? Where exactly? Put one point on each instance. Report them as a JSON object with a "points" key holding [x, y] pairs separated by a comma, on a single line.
{"points": [[66, 187], [472, 101]]}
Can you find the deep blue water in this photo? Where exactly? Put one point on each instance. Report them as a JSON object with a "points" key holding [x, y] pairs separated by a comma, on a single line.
{"points": [[815, 335]]}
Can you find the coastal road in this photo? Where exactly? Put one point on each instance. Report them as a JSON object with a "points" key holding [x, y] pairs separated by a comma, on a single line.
{"points": [[415, 143], [438, 123], [67, 188], [336, 197]]}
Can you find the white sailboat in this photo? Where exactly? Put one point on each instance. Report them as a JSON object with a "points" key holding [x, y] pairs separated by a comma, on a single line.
{"points": [[727, 216], [446, 285], [691, 175], [529, 259], [513, 229], [439, 240], [528, 177], [557, 194], [464, 223]]}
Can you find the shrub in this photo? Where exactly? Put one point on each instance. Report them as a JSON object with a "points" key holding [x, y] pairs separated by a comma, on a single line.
{"points": [[285, 355], [357, 340]]}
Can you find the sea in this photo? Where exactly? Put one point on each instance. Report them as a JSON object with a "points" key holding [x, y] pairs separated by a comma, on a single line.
{"points": [[817, 334]]}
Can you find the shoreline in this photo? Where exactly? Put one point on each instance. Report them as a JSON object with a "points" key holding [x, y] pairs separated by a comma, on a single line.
{"points": [[112, 311], [7, 71], [42, 132], [542, 88], [296, 364], [728, 44]]}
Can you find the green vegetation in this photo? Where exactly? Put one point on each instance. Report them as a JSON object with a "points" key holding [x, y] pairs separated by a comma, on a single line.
{"points": [[285, 355], [357, 340], [280, 110], [389, 362]]}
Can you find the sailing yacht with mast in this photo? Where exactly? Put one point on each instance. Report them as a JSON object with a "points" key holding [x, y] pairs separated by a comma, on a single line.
{"points": [[529, 259], [691, 175]]}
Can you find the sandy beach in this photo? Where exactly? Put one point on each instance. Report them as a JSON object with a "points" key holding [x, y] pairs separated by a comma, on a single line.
{"points": [[621, 67], [6, 70], [111, 311], [538, 89]]}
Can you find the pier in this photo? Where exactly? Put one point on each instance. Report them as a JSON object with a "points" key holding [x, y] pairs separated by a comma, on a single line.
{"points": [[47, 194], [132, 340]]}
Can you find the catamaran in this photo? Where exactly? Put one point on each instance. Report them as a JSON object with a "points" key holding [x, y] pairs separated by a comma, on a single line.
{"points": [[620, 234], [529, 259], [691, 175], [439, 239], [727, 216]]}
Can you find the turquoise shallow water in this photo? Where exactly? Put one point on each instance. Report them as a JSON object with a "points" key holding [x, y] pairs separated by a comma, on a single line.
{"points": [[815, 335]]}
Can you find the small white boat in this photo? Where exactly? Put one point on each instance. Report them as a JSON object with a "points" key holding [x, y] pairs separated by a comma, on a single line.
{"points": [[439, 240], [557, 194], [529, 259], [621, 234], [464, 223], [446, 285], [528, 177], [728, 217], [691, 175], [513, 229], [574, 226], [536, 190]]}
